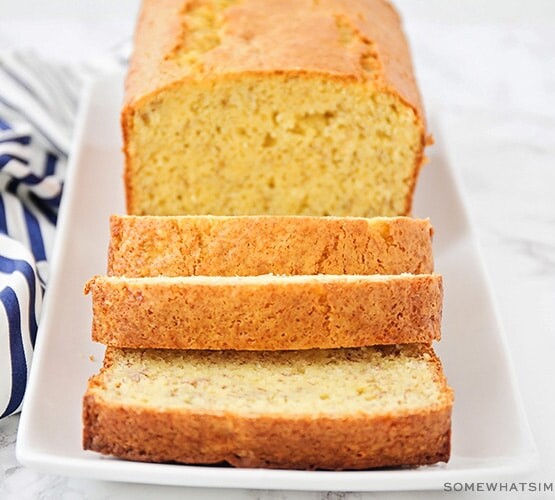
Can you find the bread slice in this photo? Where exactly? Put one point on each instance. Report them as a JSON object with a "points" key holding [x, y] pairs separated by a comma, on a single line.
{"points": [[244, 107], [317, 409], [255, 245], [265, 312]]}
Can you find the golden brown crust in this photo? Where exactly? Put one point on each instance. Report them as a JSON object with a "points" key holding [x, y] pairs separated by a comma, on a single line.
{"points": [[280, 313], [243, 246], [357, 441]]}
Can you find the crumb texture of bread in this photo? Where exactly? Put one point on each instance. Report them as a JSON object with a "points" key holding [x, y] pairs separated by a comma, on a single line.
{"points": [[142, 246], [266, 312], [279, 107], [316, 409]]}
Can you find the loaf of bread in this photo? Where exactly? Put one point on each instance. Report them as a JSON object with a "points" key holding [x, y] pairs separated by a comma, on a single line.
{"points": [[315, 409], [265, 312], [252, 107], [254, 245]]}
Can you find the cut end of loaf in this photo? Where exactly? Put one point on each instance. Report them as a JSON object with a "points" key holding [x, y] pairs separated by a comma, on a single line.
{"points": [[326, 409], [275, 144], [332, 382]]}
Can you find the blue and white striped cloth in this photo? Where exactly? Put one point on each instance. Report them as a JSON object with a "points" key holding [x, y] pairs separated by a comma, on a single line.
{"points": [[38, 105]]}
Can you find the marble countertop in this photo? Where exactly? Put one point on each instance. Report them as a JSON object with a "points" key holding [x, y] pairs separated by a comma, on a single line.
{"points": [[487, 72]]}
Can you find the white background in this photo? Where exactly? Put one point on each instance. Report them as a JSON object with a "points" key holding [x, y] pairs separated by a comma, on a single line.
{"points": [[487, 70]]}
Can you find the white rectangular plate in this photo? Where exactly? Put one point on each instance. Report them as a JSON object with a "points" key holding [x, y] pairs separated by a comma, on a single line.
{"points": [[491, 439]]}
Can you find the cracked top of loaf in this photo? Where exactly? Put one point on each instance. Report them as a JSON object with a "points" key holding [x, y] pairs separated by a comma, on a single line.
{"points": [[198, 39]]}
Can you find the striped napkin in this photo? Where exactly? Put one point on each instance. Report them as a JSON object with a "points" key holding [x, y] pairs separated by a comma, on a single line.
{"points": [[38, 104]]}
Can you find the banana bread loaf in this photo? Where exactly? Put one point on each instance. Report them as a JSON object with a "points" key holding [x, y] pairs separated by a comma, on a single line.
{"points": [[317, 409], [247, 107]]}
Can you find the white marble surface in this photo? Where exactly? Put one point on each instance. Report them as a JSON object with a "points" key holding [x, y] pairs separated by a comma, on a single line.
{"points": [[487, 71]]}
